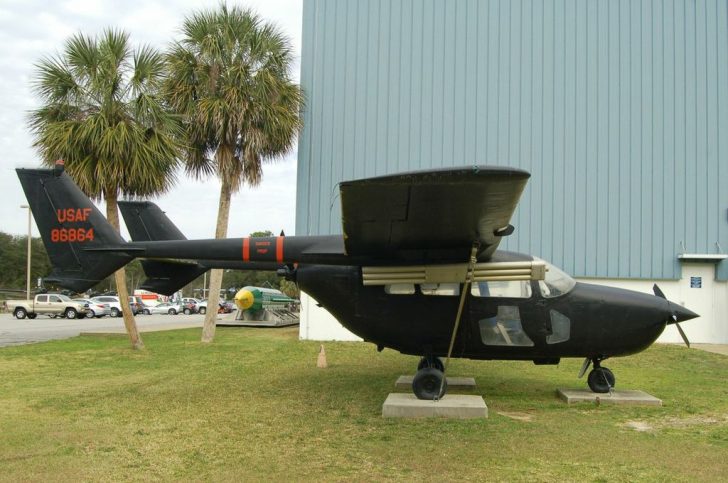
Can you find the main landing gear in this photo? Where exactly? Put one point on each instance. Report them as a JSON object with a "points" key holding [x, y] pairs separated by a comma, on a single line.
{"points": [[429, 379], [600, 380]]}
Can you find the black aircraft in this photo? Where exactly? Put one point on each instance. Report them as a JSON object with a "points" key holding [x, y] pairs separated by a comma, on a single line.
{"points": [[416, 270]]}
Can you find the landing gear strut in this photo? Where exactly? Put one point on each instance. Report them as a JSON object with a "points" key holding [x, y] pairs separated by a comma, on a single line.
{"points": [[601, 380], [431, 361]]}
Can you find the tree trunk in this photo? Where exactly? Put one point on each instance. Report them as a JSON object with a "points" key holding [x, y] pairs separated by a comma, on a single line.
{"points": [[112, 214], [223, 215]]}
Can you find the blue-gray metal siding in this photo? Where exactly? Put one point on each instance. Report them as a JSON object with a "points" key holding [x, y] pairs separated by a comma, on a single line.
{"points": [[619, 109]]}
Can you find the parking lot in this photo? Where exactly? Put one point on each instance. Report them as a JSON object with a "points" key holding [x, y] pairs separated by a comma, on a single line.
{"points": [[26, 331]]}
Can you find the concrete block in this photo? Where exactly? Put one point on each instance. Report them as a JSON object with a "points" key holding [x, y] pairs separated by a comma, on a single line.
{"points": [[454, 406], [405, 382], [631, 398]]}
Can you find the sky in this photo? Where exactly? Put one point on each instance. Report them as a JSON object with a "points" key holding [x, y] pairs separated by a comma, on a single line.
{"points": [[32, 29]]}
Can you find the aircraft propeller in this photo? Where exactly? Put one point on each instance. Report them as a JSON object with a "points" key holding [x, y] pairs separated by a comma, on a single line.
{"points": [[678, 313]]}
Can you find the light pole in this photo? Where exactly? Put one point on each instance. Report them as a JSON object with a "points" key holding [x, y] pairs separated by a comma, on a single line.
{"points": [[27, 281]]}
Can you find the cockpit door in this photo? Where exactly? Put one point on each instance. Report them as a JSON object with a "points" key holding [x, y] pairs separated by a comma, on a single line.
{"points": [[503, 315]]}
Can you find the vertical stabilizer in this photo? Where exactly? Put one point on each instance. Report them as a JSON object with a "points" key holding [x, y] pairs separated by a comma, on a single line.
{"points": [[69, 224]]}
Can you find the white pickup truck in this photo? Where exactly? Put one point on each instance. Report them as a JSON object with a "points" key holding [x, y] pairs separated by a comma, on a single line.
{"points": [[52, 304]]}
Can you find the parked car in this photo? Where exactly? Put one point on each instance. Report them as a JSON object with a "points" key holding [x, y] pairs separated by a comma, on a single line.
{"points": [[112, 301], [165, 308], [52, 304], [95, 309], [115, 304]]}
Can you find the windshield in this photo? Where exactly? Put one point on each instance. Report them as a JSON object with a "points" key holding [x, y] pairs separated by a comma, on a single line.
{"points": [[65, 298], [556, 283]]}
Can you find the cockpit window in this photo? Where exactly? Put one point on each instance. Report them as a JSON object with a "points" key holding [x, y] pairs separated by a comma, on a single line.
{"points": [[507, 288], [560, 328], [556, 283], [504, 329]]}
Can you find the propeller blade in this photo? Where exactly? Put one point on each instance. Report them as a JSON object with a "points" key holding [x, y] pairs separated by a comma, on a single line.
{"points": [[682, 334], [658, 292]]}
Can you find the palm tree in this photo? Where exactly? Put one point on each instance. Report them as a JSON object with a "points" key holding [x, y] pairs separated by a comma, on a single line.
{"points": [[229, 77], [101, 113]]}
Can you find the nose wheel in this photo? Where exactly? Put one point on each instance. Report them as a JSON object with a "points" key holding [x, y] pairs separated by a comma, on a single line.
{"points": [[601, 380], [429, 384], [429, 379]]}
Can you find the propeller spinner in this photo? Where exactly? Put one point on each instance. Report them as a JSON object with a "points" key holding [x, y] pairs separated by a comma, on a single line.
{"points": [[678, 314]]}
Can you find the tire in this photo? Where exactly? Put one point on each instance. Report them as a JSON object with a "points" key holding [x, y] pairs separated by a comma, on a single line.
{"points": [[115, 312], [187, 311], [172, 312], [20, 313], [146, 312], [71, 313], [426, 384], [601, 380], [32, 316], [203, 310], [431, 361], [90, 314]]}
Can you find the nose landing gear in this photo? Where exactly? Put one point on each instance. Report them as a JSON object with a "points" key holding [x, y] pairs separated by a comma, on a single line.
{"points": [[429, 378], [600, 380], [427, 383]]}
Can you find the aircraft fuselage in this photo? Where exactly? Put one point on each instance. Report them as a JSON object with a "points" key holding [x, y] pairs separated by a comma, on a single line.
{"points": [[589, 321]]}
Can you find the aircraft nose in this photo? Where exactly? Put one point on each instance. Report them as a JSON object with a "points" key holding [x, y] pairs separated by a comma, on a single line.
{"points": [[681, 313]]}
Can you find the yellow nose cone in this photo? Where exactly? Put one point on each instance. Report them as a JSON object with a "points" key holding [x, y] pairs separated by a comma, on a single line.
{"points": [[244, 299]]}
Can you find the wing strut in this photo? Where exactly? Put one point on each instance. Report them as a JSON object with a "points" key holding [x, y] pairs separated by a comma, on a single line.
{"points": [[463, 294]]}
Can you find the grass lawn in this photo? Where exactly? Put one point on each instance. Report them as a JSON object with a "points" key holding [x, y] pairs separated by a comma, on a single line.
{"points": [[254, 406]]}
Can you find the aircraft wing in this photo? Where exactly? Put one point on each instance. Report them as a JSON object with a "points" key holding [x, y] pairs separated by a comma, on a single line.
{"points": [[430, 214]]}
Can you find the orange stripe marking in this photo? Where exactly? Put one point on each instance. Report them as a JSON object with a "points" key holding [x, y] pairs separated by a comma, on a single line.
{"points": [[279, 249], [246, 249]]}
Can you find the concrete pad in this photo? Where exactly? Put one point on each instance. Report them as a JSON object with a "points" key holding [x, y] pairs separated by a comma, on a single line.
{"points": [[630, 398], [714, 348], [405, 382], [454, 406]]}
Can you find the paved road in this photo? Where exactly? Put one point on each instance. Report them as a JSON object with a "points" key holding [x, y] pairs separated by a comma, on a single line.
{"points": [[15, 332]]}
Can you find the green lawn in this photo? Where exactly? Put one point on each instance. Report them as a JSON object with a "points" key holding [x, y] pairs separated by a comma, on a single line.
{"points": [[254, 406]]}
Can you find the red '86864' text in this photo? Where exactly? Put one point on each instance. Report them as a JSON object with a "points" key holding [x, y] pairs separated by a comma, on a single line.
{"points": [[72, 235]]}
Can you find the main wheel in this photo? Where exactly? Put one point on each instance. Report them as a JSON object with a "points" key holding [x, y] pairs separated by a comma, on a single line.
{"points": [[90, 314], [601, 380], [146, 312], [203, 310], [427, 382], [32, 316], [20, 313], [172, 312], [115, 312], [187, 311], [71, 313], [431, 361]]}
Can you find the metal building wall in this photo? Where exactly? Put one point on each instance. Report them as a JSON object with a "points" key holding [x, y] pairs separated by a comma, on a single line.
{"points": [[619, 109]]}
